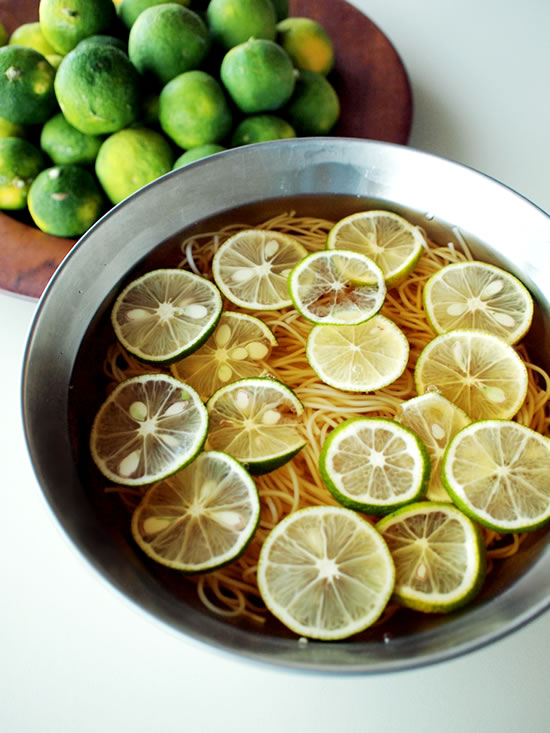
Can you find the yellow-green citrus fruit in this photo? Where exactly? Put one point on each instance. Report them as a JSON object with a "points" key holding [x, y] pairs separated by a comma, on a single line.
{"points": [[193, 110], [167, 40], [307, 43], [66, 22], [128, 10], [97, 89], [27, 95], [30, 35], [261, 128], [258, 75], [3, 35], [201, 151], [65, 201], [11, 129], [232, 22], [314, 108], [20, 163], [67, 145], [131, 158]]}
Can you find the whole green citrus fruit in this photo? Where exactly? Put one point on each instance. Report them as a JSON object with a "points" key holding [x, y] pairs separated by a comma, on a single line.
{"points": [[97, 88], [65, 201], [27, 95], [131, 158], [258, 75], [167, 40], [193, 110]]}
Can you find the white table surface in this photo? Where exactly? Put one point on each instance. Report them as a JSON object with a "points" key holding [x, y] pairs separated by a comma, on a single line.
{"points": [[76, 657]]}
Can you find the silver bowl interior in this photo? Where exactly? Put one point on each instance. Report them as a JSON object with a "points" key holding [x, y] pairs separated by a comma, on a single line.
{"points": [[321, 176]]}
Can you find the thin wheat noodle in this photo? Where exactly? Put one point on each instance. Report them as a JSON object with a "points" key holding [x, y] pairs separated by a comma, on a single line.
{"points": [[232, 591]]}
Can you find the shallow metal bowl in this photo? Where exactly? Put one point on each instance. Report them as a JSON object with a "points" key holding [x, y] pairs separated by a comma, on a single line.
{"points": [[328, 177]]}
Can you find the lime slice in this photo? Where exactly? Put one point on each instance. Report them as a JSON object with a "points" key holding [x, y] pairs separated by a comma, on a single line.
{"points": [[435, 420], [166, 314], [201, 518], [438, 555], [149, 427], [497, 472], [257, 421], [333, 286], [252, 267], [391, 241], [325, 572], [358, 358], [478, 295], [236, 350], [374, 465], [476, 370]]}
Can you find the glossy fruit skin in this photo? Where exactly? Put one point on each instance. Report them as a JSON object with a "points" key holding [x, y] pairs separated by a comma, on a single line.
{"points": [[258, 75], [64, 23], [20, 163], [167, 40], [65, 201], [27, 95], [97, 88], [131, 158], [314, 108], [193, 110]]}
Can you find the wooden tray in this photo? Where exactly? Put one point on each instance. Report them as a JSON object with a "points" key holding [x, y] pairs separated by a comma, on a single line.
{"points": [[369, 77]]}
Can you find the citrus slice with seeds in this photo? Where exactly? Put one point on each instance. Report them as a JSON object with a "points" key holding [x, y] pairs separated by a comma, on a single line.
{"points": [[497, 472], [149, 427], [478, 295], [257, 421], [477, 371], [237, 349], [438, 553], [391, 241], [325, 572], [201, 518], [252, 267], [374, 465], [334, 286], [435, 420], [358, 358], [165, 314]]}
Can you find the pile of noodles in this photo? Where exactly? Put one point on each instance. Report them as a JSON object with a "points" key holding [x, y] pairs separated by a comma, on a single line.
{"points": [[232, 590]]}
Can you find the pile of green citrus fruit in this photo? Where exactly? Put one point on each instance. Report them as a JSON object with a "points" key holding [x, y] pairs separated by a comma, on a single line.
{"points": [[100, 97]]}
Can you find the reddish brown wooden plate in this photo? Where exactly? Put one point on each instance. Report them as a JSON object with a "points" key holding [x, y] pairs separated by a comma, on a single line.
{"points": [[369, 77]]}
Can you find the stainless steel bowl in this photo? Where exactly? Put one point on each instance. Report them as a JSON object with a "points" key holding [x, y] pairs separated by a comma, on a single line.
{"points": [[328, 177]]}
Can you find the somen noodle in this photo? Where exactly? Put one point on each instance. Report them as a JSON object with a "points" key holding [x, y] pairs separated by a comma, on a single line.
{"points": [[232, 590]]}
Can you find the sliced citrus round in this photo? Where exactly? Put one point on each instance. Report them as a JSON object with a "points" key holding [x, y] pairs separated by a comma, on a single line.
{"points": [[497, 472], [237, 349], [257, 421], [358, 358], [252, 267], [334, 286], [325, 572], [201, 518], [438, 554], [478, 295], [477, 371], [374, 465], [435, 420], [166, 314], [390, 240], [149, 427]]}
